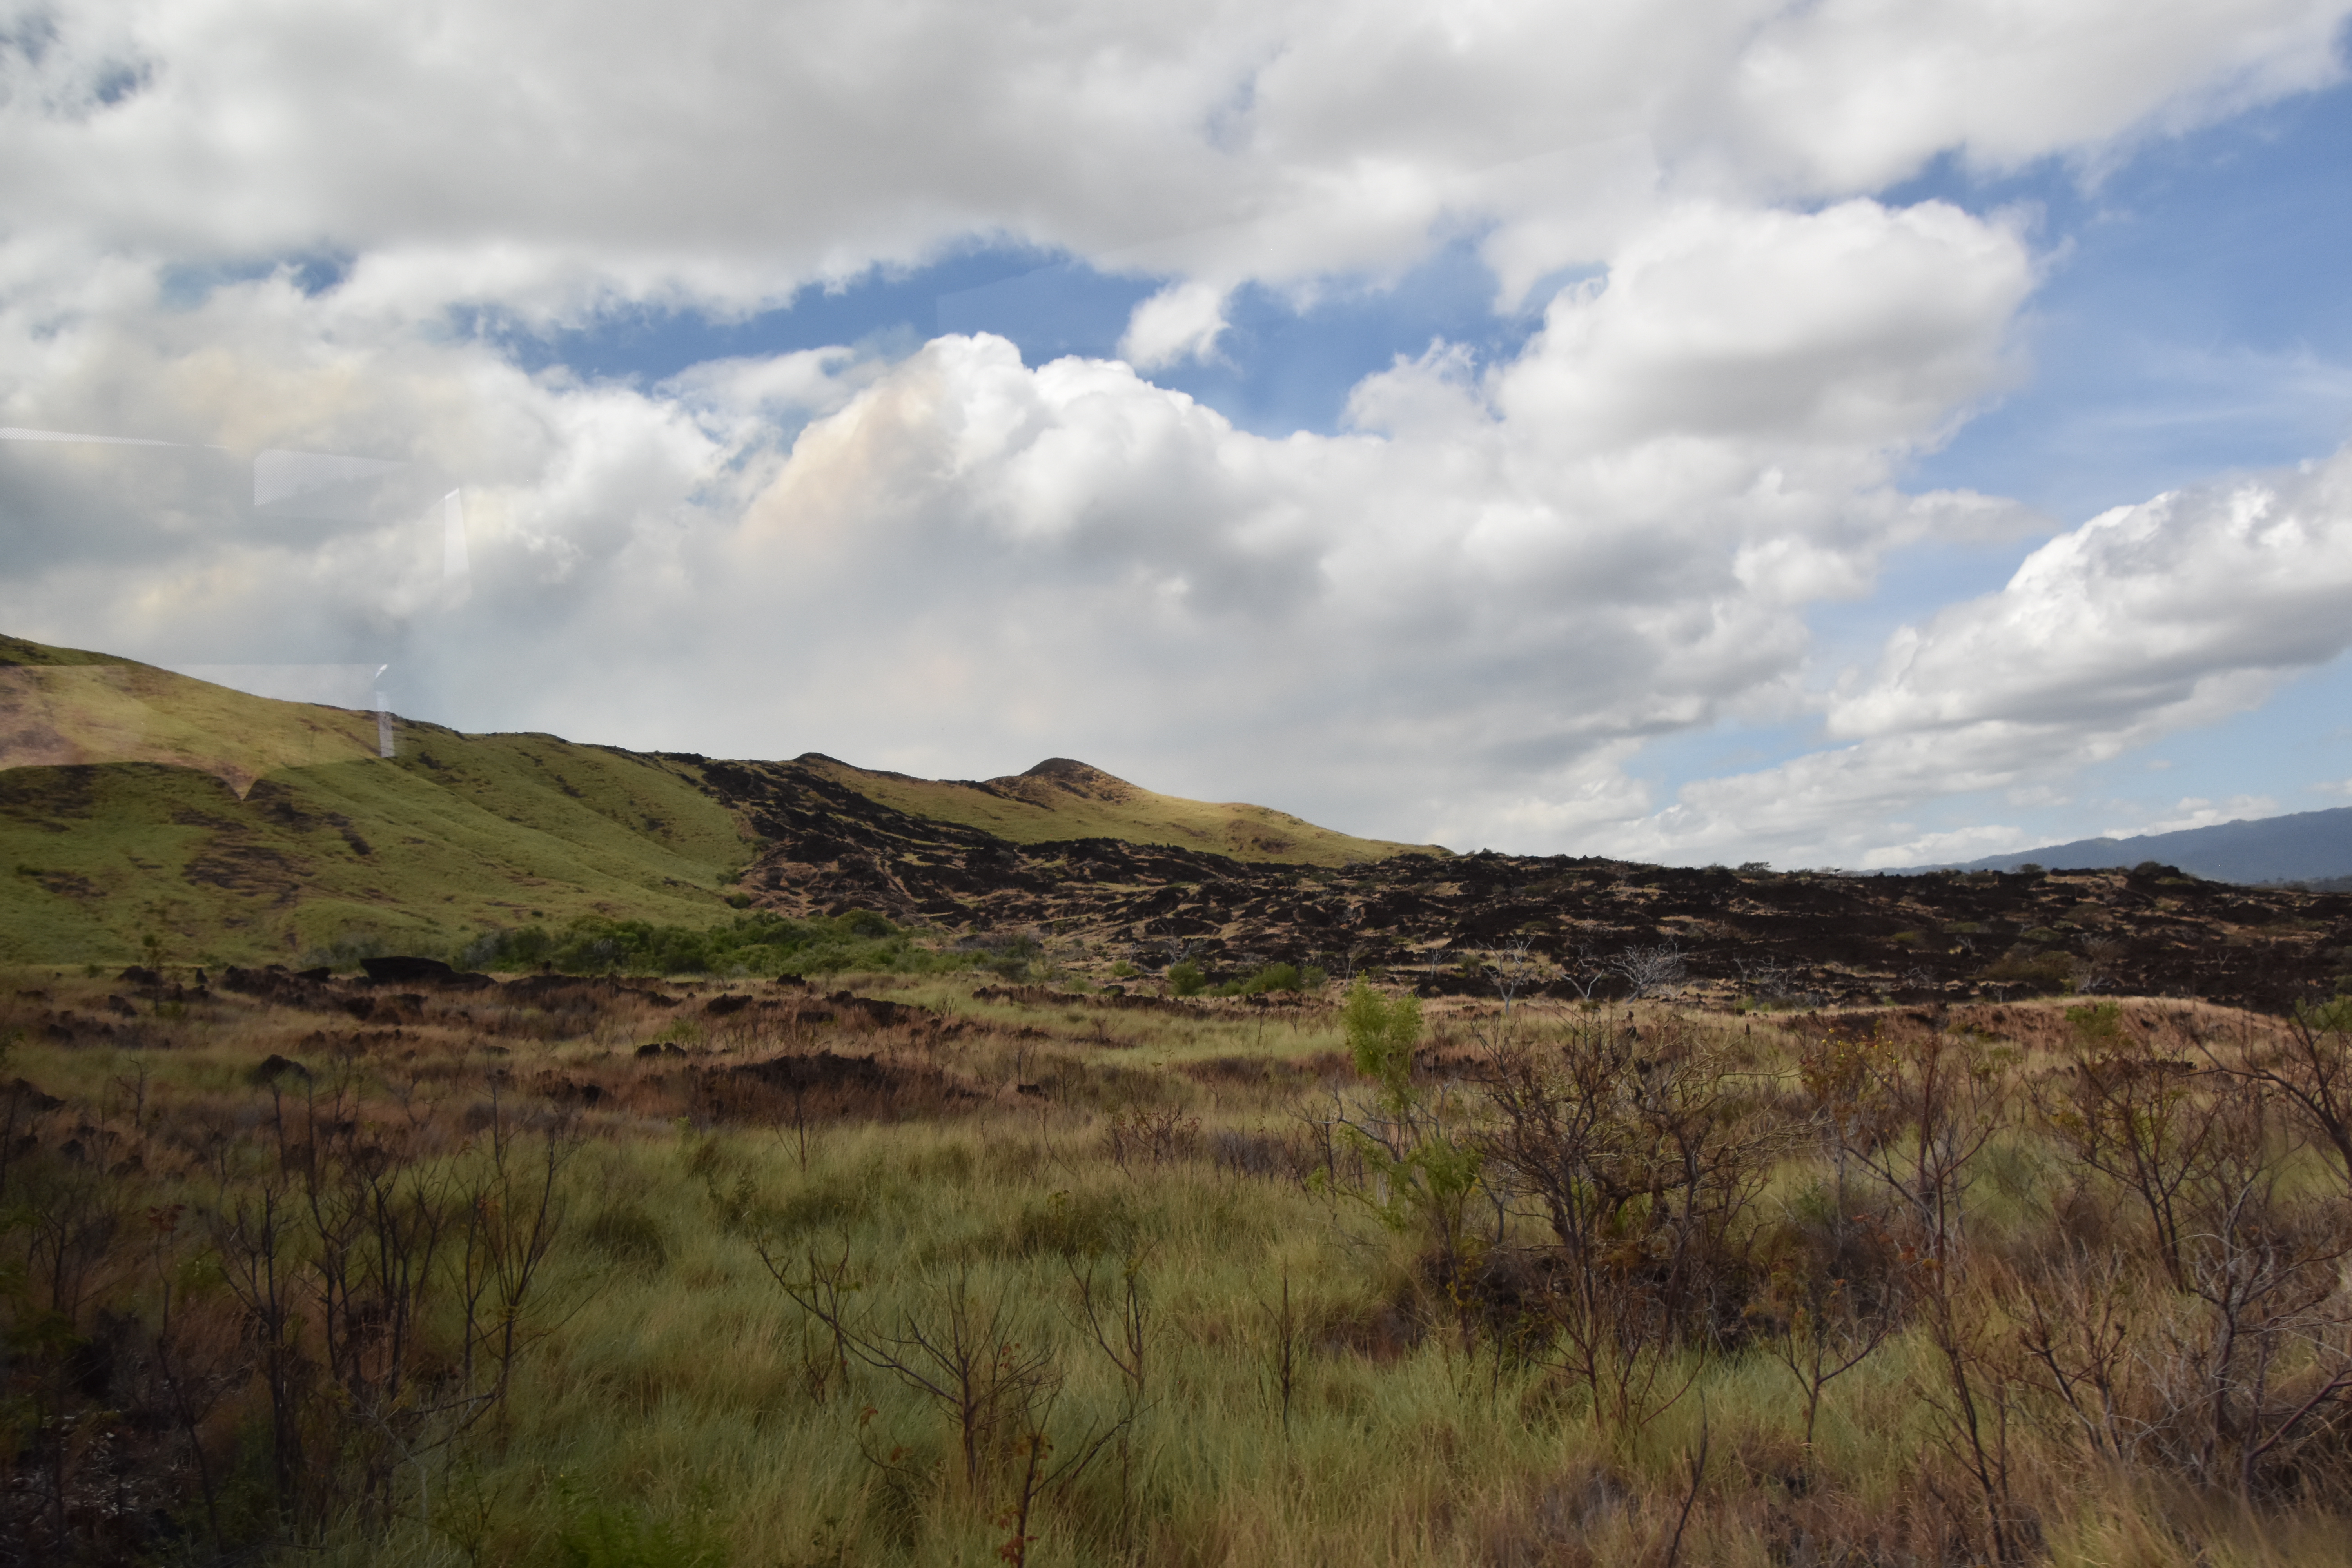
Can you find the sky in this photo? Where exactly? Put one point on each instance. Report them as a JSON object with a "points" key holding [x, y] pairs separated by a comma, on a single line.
{"points": [[1848, 433]]}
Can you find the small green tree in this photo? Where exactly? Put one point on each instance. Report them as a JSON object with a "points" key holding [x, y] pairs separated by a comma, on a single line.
{"points": [[1423, 1173], [1381, 1035]]}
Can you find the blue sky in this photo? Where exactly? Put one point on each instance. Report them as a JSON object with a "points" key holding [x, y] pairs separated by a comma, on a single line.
{"points": [[2195, 319], [1668, 430], [1285, 363]]}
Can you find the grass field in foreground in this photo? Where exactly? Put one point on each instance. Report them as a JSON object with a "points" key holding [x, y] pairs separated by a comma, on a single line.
{"points": [[915, 1275]]}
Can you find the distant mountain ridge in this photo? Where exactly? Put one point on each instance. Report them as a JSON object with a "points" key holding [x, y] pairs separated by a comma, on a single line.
{"points": [[2302, 846]]}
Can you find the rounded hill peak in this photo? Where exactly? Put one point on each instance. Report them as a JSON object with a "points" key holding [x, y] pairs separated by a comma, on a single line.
{"points": [[1069, 775], [1064, 768]]}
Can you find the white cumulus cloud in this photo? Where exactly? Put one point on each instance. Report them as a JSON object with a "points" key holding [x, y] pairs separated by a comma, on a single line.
{"points": [[1464, 614], [727, 151], [1182, 321]]}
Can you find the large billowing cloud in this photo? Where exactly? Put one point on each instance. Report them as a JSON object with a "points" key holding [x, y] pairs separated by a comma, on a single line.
{"points": [[1609, 537], [1461, 615]]}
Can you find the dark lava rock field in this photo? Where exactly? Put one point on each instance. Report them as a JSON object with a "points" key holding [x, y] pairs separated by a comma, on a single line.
{"points": [[1557, 926]]}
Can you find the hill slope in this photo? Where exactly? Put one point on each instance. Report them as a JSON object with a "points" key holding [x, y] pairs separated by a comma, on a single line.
{"points": [[135, 803], [1060, 800], [62, 707], [2307, 846]]}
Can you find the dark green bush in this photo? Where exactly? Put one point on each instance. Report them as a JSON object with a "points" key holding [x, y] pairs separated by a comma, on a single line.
{"points": [[2097, 1023], [2332, 1016], [1009, 957], [2045, 971], [1271, 977], [1074, 1225], [755, 943], [598, 1534]]}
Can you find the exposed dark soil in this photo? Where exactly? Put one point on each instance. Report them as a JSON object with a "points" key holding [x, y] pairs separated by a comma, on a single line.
{"points": [[823, 1087]]}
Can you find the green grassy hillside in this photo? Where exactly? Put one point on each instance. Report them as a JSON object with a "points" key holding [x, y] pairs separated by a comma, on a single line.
{"points": [[137, 803], [403, 854], [1060, 799]]}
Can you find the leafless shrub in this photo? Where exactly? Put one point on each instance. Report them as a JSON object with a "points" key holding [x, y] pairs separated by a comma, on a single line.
{"points": [[2253, 1375], [2221, 1350], [1285, 1348], [1763, 978], [1648, 972], [1586, 973], [385, 1296], [967, 1358], [997, 1392], [1818, 1327], [1516, 966], [1151, 1135], [1119, 1317], [1268, 1155], [2079, 1340], [2310, 1073], [2094, 971], [2141, 1120], [1643, 1158], [1912, 1118]]}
